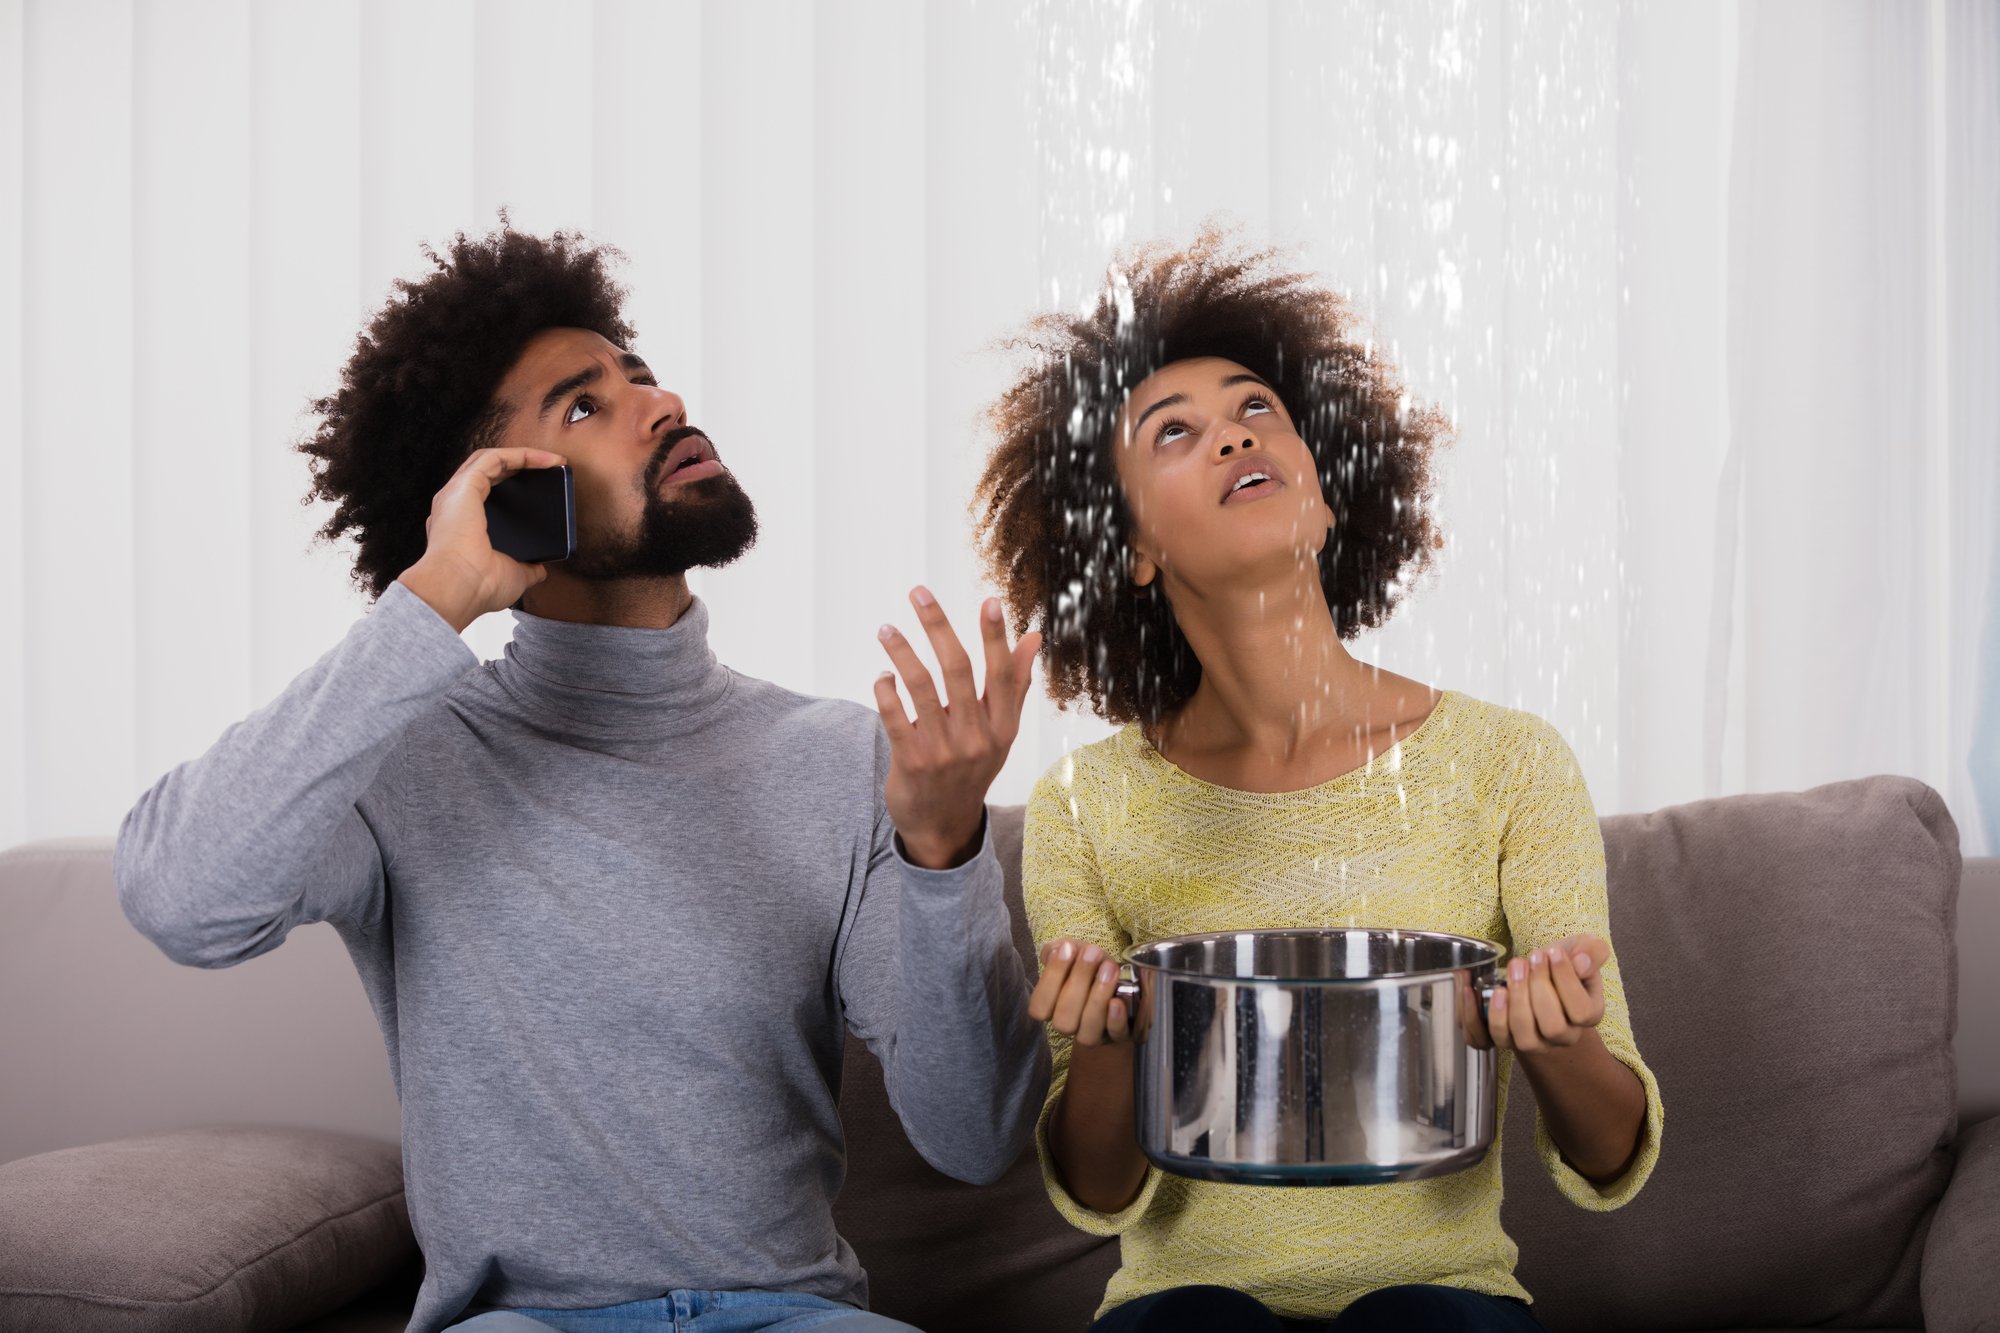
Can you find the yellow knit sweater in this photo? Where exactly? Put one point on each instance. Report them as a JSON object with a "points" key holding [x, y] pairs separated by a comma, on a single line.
{"points": [[1476, 822]]}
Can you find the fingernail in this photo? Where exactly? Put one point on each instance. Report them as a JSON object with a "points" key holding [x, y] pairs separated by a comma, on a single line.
{"points": [[886, 633], [1517, 970], [1583, 964], [993, 609], [1555, 955], [1064, 950], [1090, 953], [1535, 959], [1108, 971], [923, 596]]}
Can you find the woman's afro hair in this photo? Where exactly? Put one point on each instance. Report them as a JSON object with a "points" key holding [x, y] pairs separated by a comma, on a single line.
{"points": [[417, 395], [1052, 523]]}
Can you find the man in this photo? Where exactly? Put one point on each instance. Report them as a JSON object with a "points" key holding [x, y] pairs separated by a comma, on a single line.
{"points": [[613, 902]]}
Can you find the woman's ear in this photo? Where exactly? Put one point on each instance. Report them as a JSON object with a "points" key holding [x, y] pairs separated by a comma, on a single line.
{"points": [[1144, 571]]}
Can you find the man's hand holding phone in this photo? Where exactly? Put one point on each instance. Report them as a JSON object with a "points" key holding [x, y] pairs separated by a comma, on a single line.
{"points": [[460, 576]]}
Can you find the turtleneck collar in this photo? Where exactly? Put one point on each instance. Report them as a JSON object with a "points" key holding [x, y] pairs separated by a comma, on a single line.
{"points": [[616, 679]]}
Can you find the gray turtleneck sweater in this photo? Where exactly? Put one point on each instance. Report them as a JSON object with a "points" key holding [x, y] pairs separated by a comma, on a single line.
{"points": [[613, 904]]}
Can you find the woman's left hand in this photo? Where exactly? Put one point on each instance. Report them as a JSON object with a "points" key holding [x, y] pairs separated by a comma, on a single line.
{"points": [[1551, 998]]}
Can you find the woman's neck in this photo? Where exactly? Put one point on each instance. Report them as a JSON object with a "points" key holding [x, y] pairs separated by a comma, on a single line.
{"points": [[1279, 692]]}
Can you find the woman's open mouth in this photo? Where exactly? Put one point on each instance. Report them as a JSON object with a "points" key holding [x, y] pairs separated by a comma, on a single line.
{"points": [[1252, 486]]}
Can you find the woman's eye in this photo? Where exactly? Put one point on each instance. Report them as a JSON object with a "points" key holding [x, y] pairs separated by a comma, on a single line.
{"points": [[1167, 431], [1256, 405], [579, 409]]}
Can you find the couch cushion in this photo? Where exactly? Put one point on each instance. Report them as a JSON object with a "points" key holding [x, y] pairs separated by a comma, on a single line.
{"points": [[944, 1255], [1789, 963], [205, 1230]]}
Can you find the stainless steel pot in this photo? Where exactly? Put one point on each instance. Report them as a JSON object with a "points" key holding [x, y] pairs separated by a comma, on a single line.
{"points": [[1312, 1057]]}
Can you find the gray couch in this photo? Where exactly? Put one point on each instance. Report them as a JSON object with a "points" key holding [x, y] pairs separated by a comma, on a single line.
{"points": [[1797, 964]]}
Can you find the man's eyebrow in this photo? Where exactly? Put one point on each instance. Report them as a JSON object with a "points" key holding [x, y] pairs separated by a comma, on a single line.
{"points": [[1172, 398], [569, 386], [633, 361]]}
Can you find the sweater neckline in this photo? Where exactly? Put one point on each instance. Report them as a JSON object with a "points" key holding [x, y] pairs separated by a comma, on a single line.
{"points": [[1392, 760], [615, 678]]}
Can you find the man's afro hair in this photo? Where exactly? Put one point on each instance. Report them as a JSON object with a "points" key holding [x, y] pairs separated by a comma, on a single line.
{"points": [[417, 395]]}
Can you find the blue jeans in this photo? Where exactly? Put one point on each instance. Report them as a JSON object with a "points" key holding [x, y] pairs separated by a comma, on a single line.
{"points": [[695, 1312], [1409, 1309]]}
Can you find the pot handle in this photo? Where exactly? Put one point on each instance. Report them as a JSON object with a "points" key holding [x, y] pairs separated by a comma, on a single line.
{"points": [[1128, 990]]}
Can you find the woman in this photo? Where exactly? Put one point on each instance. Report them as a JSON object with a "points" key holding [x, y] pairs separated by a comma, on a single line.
{"points": [[1200, 489]]}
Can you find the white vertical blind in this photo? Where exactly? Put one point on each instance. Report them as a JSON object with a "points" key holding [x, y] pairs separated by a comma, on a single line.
{"points": [[13, 408], [308, 298], [1215, 83], [757, 190], [1559, 376], [981, 217], [191, 320], [863, 312], [79, 626], [1968, 52], [1829, 344], [1676, 79], [1709, 290]]}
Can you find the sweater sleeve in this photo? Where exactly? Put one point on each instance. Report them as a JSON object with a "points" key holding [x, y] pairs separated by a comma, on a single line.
{"points": [[1551, 885], [1064, 895], [222, 857], [931, 981]]}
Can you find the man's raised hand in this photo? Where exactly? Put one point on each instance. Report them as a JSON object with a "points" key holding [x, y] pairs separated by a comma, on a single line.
{"points": [[943, 761], [460, 575]]}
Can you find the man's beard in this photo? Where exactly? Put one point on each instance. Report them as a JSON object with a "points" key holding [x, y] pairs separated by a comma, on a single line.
{"points": [[706, 524]]}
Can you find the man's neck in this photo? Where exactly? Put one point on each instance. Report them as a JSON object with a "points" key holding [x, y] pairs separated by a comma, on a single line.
{"points": [[639, 603]]}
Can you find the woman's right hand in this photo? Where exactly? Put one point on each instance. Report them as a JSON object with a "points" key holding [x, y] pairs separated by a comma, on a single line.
{"points": [[1093, 1134], [460, 575], [1076, 994]]}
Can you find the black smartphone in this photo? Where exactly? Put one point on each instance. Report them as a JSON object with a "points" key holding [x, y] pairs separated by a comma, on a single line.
{"points": [[531, 515]]}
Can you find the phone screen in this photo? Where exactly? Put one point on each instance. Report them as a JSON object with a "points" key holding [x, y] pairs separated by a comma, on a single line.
{"points": [[531, 515]]}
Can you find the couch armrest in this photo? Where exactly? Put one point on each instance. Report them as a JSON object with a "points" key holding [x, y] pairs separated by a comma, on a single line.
{"points": [[1961, 1281]]}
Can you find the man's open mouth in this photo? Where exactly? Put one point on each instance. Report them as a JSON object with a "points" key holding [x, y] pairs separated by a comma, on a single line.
{"points": [[690, 460]]}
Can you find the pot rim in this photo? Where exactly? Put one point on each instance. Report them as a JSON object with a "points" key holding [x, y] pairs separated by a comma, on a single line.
{"points": [[1203, 936]]}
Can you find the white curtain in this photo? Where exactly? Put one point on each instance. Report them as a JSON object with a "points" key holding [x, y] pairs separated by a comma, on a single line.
{"points": [[1710, 288]]}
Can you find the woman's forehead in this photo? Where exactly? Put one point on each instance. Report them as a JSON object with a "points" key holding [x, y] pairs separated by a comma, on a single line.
{"points": [[1192, 372]]}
